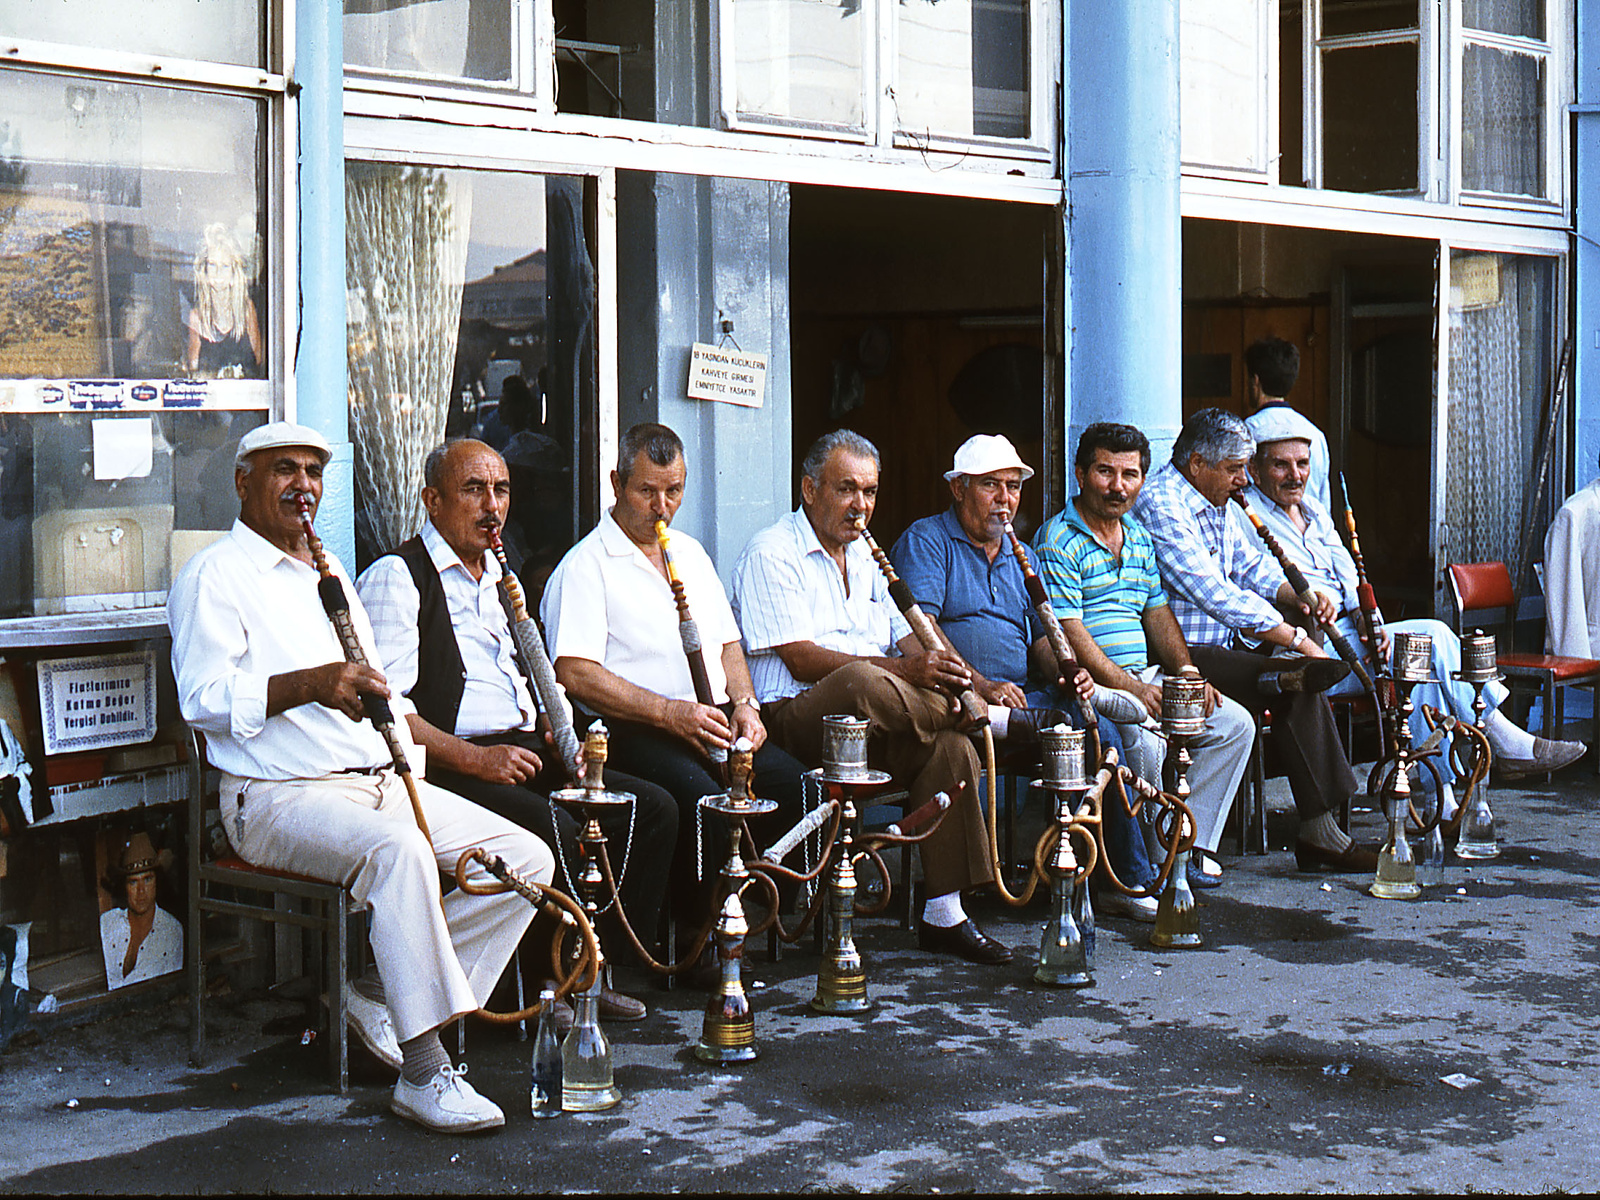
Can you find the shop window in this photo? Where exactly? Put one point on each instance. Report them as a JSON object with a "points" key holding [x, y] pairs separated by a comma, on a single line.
{"points": [[133, 327], [452, 39], [908, 72], [471, 302], [1226, 79], [1505, 98], [232, 32]]}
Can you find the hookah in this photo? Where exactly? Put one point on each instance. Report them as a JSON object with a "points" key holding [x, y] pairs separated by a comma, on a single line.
{"points": [[1396, 874], [1479, 668], [1183, 716], [1066, 946]]}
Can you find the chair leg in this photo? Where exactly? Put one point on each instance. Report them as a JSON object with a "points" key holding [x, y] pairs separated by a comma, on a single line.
{"points": [[338, 978], [197, 989]]}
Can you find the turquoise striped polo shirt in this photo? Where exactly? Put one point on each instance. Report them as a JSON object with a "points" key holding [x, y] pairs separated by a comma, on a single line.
{"points": [[1085, 583]]}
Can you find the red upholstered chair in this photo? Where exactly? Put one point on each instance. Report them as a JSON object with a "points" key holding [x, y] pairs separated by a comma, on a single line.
{"points": [[1486, 587]]}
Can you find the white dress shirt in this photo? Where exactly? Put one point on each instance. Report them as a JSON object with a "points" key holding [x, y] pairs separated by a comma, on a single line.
{"points": [[241, 612], [494, 698], [160, 953], [606, 602], [1572, 576], [788, 588]]}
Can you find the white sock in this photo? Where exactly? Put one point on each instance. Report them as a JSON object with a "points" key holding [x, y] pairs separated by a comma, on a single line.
{"points": [[999, 721], [1447, 803], [1324, 831], [944, 912], [1505, 739]]}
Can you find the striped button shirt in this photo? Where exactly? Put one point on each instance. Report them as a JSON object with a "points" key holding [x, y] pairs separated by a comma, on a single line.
{"points": [[1086, 582], [787, 588], [1220, 578]]}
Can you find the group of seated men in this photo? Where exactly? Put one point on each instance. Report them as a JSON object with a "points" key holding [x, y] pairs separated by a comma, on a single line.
{"points": [[307, 785]]}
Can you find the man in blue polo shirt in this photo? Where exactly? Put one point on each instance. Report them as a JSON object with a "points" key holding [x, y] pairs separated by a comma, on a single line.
{"points": [[1099, 568], [962, 575]]}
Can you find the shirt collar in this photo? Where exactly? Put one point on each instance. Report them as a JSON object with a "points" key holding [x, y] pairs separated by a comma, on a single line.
{"points": [[444, 556], [263, 555], [952, 526], [1313, 515], [617, 543], [1075, 520], [1187, 494]]}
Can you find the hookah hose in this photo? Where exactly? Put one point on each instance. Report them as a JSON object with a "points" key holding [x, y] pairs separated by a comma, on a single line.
{"points": [[334, 602], [530, 643], [689, 635]]}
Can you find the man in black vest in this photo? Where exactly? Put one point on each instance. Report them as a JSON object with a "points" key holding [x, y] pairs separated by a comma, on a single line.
{"points": [[443, 631]]}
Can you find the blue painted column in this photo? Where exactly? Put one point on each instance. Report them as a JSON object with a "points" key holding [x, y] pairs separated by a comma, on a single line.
{"points": [[1124, 229], [320, 397], [1585, 397]]}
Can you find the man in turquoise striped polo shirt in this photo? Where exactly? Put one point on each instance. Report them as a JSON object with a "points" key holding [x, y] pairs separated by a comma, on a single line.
{"points": [[1098, 564]]}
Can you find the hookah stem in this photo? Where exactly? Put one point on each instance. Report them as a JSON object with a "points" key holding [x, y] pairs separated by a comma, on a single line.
{"points": [[1066, 660], [337, 606], [1371, 617], [531, 643], [689, 634], [1302, 589], [972, 705]]}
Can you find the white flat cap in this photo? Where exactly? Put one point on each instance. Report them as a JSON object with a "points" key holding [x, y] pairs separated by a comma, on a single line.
{"points": [[985, 453], [276, 434], [1280, 423]]}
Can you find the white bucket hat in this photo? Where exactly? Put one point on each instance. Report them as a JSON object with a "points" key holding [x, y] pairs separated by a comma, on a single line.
{"points": [[985, 453]]}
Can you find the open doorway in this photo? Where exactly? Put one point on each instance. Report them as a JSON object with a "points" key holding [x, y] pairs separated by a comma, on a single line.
{"points": [[918, 321]]}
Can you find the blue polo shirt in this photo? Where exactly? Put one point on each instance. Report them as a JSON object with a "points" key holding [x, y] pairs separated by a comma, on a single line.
{"points": [[1086, 583], [982, 606]]}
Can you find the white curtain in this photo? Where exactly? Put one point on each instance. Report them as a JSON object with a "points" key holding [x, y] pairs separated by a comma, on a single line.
{"points": [[406, 238]]}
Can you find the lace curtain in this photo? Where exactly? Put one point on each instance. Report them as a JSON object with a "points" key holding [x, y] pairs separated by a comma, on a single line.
{"points": [[1500, 336], [406, 235]]}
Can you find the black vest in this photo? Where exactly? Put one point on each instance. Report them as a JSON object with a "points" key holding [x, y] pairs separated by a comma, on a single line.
{"points": [[441, 676]]}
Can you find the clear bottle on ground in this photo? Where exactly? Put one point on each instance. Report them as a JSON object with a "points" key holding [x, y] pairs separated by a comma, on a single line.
{"points": [[544, 1089], [586, 1080]]}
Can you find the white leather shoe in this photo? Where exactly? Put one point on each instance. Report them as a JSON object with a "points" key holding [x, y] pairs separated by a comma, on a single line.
{"points": [[370, 1021], [1138, 908], [446, 1103]]}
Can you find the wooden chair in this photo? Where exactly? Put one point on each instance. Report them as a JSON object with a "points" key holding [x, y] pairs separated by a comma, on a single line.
{"points": [[1485, 587], [220, 883]]}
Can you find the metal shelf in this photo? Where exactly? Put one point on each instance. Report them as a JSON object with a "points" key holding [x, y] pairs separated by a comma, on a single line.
{"points": [[77, 629]]}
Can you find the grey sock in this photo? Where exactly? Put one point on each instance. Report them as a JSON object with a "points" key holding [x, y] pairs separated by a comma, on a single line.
{"points": [[421, 1058]]}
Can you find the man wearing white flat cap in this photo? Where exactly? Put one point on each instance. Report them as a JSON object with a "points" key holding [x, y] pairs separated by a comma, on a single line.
{"points": [[307, 784]]}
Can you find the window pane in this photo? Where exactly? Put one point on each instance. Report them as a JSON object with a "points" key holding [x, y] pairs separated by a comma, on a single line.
{"points": [[963, 67], [801, 60], [1502, 122], [1341, 17], [231, 32], [459, 39], [1521, 18], [1222, 69], [1369, 122], [470, 310], [130, 241], [98, 512]]}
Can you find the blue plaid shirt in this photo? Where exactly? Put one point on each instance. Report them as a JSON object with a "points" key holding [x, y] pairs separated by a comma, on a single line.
{"points": [[1220, 578]]}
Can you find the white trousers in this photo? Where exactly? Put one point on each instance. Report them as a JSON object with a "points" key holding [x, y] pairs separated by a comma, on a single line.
{"points": [[1448, 696], [1221, 754], [438, 961]]}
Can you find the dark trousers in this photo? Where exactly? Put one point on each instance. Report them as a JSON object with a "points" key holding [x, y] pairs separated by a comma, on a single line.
{"points": [[648, 853], [685, 773], [1303, 729]]}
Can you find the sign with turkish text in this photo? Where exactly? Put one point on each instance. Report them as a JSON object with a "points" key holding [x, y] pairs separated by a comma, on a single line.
{"points": [[97, 701], [731, 376]]}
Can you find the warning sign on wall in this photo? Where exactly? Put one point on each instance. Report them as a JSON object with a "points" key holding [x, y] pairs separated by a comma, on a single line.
{"points": [[728, 375]]}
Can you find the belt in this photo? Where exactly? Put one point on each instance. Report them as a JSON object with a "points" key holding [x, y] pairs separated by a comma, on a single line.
{"points": [[379, 769]]}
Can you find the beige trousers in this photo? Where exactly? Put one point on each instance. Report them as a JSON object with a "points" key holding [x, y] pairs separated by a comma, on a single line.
{"points": [[438, 960]]}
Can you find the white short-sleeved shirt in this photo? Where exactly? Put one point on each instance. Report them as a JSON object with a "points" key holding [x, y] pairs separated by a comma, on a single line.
{"points": [[608, 603], [241, 612], [787, 588]]}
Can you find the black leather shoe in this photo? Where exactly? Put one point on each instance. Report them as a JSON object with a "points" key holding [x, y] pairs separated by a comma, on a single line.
{"points": [[1353, 860], [1304, 675], [965, 940]]}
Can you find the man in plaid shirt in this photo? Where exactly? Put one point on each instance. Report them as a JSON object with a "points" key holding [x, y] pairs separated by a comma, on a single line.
{"points": [[1229, 597]]}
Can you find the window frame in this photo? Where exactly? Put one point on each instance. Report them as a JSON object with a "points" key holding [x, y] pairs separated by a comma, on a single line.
{"points": [[1268, 144]]}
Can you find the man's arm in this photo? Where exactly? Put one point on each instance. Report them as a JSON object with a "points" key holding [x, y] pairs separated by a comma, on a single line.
{"points": [[1105, 672], [746, 721], [610, 695]]}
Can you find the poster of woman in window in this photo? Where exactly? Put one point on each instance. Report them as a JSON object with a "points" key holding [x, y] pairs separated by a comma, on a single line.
{"points": [[140, 940]]}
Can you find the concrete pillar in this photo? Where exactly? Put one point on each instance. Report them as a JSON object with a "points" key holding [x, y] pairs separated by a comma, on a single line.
{"points": [[1585, 395], [320, 397], [1124, 233]]}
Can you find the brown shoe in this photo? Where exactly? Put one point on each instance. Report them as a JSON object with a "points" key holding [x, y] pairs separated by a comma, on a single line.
{"points": [[1353, 860], [614, 1006]]}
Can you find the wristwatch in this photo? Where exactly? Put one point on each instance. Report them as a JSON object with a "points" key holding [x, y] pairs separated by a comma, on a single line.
{"points": [[755, 705], [1300, 636]]}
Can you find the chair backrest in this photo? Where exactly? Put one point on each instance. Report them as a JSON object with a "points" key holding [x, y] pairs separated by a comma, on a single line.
{"points": [[1477, 587]]}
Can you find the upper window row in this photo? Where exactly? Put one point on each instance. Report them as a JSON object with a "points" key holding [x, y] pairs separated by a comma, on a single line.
{"points": [[1408, 97]]}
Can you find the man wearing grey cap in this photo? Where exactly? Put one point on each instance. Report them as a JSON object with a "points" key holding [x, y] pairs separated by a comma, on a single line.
{"points": [[308, 786], [1271, 366]]}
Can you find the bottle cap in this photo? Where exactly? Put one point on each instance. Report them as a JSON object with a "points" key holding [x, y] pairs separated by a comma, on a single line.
{"points": [[547, 994]]}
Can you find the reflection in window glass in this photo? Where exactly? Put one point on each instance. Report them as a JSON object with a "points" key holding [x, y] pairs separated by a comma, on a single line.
{"points": [[130, 231], [1222, 98], [801, 60], [1502, 122], [99, 512], [456, 39], [1343, 17], [231, 32], [1520, 18], [470, 310], [963, 67], [1369, 122]]}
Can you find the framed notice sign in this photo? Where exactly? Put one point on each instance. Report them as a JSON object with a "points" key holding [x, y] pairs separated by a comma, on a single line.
{"points": [[98, 701]]}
